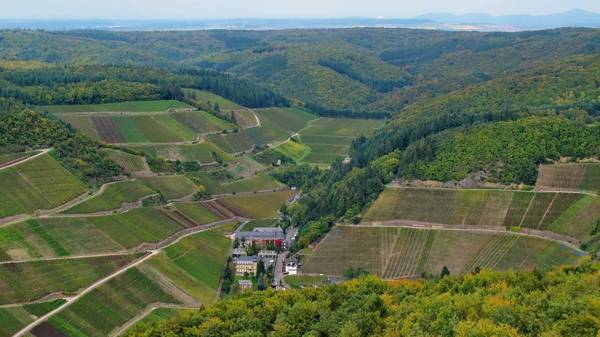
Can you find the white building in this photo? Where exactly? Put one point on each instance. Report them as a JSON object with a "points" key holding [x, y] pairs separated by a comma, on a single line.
{"points": [[291, 268]]}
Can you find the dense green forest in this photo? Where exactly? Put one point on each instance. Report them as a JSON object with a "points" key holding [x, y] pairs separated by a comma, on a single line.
{"points": [[560, 302], [509, 152], [93, 84], [344, 70]]}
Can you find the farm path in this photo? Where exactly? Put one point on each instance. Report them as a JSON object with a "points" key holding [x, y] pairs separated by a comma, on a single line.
{"points": [[42, 152], [157, 249], [295, 134], [564, 239], [69, 257], [398, 185]]}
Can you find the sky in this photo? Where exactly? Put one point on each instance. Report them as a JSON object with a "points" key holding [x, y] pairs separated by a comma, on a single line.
{"points": [[221, 9]]}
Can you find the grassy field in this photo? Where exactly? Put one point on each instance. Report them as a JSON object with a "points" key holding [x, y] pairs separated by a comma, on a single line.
{"points": [[201, 121], [569, 177], [305, 281], [113, 197], [260, 182], [284, 120], [259, 206], [488, 208], [329, 138], [208, 97], [195, 264], [129, 162], [245, 167], [197, 212], [393, 252], [15, 318], [132, 106], [171, 187], [39, 183], [259, 223], [158, 316], [110, 305], [200, 152], [29, 281], [212, 180], [233, 142], [53, 237], [294, 150]]}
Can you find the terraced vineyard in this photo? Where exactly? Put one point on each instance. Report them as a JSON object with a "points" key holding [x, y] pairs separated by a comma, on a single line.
{"points": [[203, 152], [564, 213], [171, 187], [393, 252], [257, 206], [16, 317], [329, 138], [30, 281], [130, 163], [56, 236], [38, 183], [172, 277], [276, 124], [113, 196], [569, 177]]}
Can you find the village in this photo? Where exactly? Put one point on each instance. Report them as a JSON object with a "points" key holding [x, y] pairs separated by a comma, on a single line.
{"points": [[260, 257]]}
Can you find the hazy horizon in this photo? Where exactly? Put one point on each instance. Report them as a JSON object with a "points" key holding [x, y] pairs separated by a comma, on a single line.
{"points": [[273, 9]]}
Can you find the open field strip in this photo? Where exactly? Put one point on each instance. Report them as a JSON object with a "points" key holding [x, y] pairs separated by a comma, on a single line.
{"points": [[37, 183], [422, 250], [154, 313], [112, 282], [130, 106], [487, 208]]}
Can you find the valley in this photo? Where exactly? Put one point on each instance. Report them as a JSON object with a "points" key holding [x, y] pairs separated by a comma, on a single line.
{"points": [[182, 175]]}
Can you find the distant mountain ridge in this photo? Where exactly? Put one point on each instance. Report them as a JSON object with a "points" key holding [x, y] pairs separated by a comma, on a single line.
{"points": [[572, 18], [443, 21]]}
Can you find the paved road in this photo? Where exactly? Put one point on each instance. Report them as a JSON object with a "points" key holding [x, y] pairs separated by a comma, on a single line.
{"points": [[42, 152]]}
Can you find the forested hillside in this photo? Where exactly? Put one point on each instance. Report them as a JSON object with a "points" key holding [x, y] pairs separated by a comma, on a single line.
{"points": [[339, 70], [559, 302], [134, 156]]}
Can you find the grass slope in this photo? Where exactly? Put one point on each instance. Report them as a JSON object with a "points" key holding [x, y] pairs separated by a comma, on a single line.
{"points": [[259, 206], [129, 162], [39, 183], [131, 106], [113, 197], [171, 187], [329, 138]]}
